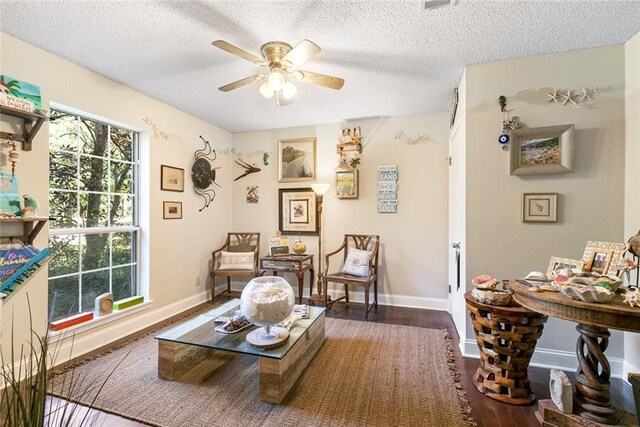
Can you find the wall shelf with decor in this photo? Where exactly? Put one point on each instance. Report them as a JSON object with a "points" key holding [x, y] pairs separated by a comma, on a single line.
{"points": [[31, 227], [32, 124]]}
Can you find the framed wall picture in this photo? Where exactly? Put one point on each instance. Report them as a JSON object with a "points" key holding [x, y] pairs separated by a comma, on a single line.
{"points": [[172, 210], [556, 263], [298, 211], [171, 179], [297, 160], [596, 255], [347, 183], [539, 207], [544, 150]]}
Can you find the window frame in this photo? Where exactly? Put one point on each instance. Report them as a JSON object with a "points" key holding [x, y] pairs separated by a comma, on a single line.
{"points": [[81, 231]]}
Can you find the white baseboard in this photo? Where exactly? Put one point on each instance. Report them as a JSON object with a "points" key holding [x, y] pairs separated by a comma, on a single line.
{"points": [[550, 359], [83, 343], [629, 369], [440, 304]]}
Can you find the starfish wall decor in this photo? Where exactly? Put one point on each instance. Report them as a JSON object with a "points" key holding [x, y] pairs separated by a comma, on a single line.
{"points": [[564, 97]]}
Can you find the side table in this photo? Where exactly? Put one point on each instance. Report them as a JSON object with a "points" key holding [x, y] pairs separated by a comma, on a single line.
{"points": [[506, 337], [296, 264]]}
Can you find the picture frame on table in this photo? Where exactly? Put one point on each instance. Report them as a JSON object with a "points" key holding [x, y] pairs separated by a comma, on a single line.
{"points": [[543, 150], [297, 211], [539, 207], [557, 263], [171, 210], [297, 160], [171, 178], [346, 183], [596, 254]]}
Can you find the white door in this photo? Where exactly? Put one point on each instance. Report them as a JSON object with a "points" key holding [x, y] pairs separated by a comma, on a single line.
{"points": [[457, 287]]}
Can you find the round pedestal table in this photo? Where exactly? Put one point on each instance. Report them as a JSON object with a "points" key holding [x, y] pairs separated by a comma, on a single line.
{"points": [[591, 395]]}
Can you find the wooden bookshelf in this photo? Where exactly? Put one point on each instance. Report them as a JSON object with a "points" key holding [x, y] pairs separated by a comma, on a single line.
{"points": [[31, 227], [32, 124]]}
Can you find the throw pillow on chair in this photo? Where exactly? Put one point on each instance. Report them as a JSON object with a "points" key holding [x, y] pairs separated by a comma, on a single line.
{"points": [[357, 262]]}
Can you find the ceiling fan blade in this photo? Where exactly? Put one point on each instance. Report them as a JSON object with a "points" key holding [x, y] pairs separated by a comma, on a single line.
{"points": [[300, 53], [221, 44], [240, 83], [320, 79]]}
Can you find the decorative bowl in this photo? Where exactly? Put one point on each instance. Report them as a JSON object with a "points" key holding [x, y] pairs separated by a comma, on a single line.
{"points": [[492, 297], [485, 281], [587, 293], [267, 301], [614, 282]]}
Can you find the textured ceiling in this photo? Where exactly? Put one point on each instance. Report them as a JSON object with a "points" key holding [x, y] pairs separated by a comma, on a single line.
{"points": [[396, 58]]}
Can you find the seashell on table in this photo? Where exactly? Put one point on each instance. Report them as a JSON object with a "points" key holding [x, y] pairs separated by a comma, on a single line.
{"points": [[492, 297]]}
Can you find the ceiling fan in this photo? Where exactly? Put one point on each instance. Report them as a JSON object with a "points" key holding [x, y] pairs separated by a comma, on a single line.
{"points": [[282, 62]]}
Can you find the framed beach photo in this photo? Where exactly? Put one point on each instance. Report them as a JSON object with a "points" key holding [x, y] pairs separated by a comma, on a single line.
{"points": [[297, 160], [603, 257], [171, 179], [545, 150], [539, 207], [298, 211], [556, 263], [172, 210], [347, 183]]}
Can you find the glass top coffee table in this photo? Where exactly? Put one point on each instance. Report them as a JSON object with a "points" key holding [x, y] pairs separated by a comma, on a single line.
{"points": [[183, 346]]}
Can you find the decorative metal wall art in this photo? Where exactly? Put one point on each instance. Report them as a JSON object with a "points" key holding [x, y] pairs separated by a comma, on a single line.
{"points": [[203, 174], [249, 169]]}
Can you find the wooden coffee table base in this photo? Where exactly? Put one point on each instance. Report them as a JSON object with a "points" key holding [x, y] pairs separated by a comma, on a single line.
{"points": [[277, 376]]}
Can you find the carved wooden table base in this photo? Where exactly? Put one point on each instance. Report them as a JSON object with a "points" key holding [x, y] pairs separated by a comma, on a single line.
{"points": [[592, 397]]}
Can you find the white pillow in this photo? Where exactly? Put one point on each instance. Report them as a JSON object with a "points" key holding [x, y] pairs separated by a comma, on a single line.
{"points": [[236, 260], [357, 262]]}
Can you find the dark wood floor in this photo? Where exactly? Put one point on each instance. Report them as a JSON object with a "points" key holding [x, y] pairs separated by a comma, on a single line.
{"points": [[486, 411]]}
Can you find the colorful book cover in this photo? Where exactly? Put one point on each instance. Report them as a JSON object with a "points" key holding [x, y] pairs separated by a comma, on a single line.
{"points": [[24, 272], [21, 89], [12, 259], [9, 199]]}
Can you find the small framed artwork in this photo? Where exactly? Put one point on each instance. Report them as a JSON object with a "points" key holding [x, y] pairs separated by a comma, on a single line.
{"points": [[347, 183], [539, 207], [252, 194], [297, 160], [599, 261], [603, 257], [171, 179], [172, 210], [556, 263], [298, 211], [544, 150]]}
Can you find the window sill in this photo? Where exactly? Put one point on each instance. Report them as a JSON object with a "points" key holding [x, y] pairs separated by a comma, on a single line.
{"points": [[100, 321]]}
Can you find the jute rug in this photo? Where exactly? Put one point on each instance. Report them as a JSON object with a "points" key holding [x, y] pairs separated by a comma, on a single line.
{"points": [[365, 374]]}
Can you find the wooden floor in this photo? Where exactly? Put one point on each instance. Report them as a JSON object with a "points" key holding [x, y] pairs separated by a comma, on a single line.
{"points": [[485, 411]]}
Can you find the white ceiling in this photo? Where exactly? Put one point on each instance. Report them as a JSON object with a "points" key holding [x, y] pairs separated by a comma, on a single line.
{"points": [[396, 58]]}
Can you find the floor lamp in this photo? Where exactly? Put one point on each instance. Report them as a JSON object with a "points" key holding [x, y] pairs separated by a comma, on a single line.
{"points": [[320, 189]]}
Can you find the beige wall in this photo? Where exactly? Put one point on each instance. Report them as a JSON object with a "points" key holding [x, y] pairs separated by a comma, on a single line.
{"points": [[591, 198], [178, 251], [413, 241], [632, 173]]}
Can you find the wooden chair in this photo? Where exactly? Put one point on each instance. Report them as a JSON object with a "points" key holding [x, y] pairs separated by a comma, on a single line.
{"points": [[236, 242], [363, 242]]}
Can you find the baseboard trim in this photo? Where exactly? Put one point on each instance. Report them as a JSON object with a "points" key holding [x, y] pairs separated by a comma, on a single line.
{"points": [[550, 359], [440, 304], [73, 346], [629, 369]]}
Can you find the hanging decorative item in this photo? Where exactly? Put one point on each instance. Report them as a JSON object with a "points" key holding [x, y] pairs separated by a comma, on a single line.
{"points": [[265, 159], [508, 123], [249, 169], [411, 140], [14, 155], [568, 97], [154, 129], [388, 189], [349, 147], [203, 174]]}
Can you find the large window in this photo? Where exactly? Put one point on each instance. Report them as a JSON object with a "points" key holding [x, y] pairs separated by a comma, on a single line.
{"points": [[93, 201]]}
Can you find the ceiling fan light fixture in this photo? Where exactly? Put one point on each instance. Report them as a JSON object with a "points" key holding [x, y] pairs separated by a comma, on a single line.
{"points": [[266, 90], [276, 80], [289, 90], [298, 75]]}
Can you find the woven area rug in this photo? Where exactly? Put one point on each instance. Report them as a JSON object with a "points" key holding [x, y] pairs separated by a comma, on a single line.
{"points": [[365, 374]]}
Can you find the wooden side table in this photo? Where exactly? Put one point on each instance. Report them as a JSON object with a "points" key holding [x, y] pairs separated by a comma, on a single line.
{"points": [[592, 399], [296, 264], [506, 337]]}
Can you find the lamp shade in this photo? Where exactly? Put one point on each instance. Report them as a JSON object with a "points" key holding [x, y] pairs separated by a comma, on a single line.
{"points": [[320, 188]]}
